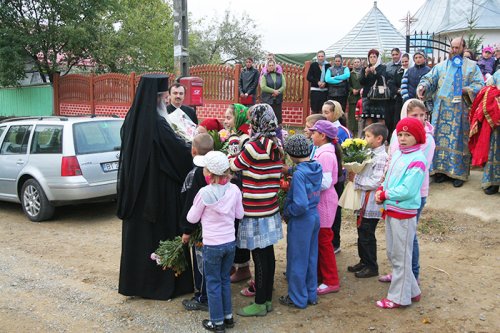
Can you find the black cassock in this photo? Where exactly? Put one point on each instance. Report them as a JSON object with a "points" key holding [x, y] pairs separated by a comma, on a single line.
{"points": [[153, 165]]}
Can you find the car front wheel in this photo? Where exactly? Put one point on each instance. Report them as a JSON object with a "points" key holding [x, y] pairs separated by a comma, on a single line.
{"points": [[35, 203]]}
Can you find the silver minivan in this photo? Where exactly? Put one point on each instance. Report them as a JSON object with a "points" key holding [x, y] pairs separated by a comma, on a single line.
{"points": [[52, 161]]}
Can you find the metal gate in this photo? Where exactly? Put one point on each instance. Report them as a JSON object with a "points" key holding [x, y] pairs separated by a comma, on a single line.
{"points": [[435, 46]]}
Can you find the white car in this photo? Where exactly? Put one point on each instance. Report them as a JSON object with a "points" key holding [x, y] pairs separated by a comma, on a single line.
{"points": [[52, 161]]}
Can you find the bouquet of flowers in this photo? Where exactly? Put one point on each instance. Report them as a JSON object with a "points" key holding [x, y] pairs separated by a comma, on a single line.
{"points": [[170, 253], [221, 141], [182, 125], [356, 156]]}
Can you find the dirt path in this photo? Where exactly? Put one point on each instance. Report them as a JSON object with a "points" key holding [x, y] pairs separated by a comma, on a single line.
{"points": [[61, 276]]}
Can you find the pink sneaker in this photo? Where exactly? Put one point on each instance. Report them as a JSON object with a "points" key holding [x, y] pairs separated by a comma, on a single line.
{"points": [[323, 289], [385, 303], [247, 292], [385, 278], [250, 291]]}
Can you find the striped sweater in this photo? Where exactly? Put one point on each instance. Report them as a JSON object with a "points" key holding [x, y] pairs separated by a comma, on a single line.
{"points": [[260, 164]]}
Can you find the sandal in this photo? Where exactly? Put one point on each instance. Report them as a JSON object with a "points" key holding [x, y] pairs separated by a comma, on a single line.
{"points": [[416, 298], [385, 278], [384, 303]]}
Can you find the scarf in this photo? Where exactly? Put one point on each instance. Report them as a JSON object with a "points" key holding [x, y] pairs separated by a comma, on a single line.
{"points": [[484, 117], [410, 149], [357, 70], [241, 122], [323, 70], [264, 125], [457, 63], [263, 122]]}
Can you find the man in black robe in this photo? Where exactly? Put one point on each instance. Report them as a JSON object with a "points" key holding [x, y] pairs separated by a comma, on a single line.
{"points": [[153, 164]]}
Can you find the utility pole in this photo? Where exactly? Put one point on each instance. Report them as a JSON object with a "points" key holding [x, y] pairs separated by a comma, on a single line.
{"points": [[180, 38]]}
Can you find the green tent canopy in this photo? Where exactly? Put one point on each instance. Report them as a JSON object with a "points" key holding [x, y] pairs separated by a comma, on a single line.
{"points": [[294, 58]]}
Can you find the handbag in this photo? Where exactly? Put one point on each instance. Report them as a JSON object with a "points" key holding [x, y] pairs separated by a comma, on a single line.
{"points": [[246, 100], [379, 93]]}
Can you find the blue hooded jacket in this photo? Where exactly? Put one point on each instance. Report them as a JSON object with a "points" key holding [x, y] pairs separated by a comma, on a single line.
{"points": [[304, 192]]}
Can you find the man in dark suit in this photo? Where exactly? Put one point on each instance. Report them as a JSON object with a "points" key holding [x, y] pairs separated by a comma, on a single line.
{"points": [[177, 93]]}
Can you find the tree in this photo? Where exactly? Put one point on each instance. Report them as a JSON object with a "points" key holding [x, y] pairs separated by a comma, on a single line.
{"points": [[229, 40], [54, 35], [138, 36], [473, 41]]}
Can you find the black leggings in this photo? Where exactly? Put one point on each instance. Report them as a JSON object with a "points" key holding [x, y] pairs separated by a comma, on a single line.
{"points": [[265, 265], [241, 256], [339, 188]]}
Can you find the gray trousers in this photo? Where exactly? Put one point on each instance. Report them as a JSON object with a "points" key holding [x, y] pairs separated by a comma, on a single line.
{"points": [[399, 236]]}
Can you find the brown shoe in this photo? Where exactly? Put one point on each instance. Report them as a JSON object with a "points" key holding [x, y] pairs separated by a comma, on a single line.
{"points": [[242, 273]]}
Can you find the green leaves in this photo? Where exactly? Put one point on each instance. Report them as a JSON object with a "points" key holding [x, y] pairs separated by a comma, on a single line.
{"points": [[229, 40], [52, 35], [138, 36]]}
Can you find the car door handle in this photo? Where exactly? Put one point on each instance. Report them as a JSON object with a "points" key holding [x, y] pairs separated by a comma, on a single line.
{"points": [[20, 162]]}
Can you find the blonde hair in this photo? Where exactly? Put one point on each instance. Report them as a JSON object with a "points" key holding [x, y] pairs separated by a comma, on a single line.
{"points": [[336, 109], [313, 118], [415, 103], [218, 179]]}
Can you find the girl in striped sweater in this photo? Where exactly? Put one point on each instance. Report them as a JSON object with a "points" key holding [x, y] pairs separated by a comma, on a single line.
{"points": [[260, 162]]}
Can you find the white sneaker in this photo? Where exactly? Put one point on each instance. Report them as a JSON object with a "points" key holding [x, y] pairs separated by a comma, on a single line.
{"points": [[337, 250]]}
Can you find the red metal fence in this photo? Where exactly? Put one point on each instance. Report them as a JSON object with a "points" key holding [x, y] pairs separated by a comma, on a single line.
{"points": [[107, 94]]}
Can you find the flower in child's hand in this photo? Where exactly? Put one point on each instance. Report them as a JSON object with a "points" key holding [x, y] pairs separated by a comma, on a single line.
{"points": [[347, 143], [156, 258], [224, 135]]}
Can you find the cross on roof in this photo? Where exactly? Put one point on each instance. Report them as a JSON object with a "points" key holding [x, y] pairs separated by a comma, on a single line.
{"points": [[408, 20]]}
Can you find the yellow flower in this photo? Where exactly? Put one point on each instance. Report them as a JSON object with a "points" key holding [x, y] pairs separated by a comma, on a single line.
{"points": [[360, 142], [291, 132], [347, 143]]}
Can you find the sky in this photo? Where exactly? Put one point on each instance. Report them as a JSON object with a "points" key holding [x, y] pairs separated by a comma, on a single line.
{"points": [[292, 26]]}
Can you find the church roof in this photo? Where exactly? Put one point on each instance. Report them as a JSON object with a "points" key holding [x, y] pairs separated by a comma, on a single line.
{"points": [[442, 16], [373, 31]]}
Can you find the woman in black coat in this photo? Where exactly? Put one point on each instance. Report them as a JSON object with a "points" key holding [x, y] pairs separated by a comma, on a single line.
{"points": [[375, 72]]}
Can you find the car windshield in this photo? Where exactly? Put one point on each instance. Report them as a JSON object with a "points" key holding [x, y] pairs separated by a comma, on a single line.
{"points": [[97, 136]]}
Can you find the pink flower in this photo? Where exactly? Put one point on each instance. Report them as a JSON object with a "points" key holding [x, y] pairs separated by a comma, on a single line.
{"points": [[156, 258], [224, 135]]}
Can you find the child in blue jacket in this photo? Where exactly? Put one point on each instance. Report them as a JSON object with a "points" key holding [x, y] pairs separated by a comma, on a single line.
{"points": [[400, 195], [301, 214]]}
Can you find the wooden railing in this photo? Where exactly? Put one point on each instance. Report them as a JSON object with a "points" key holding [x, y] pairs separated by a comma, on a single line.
{"points": [[220, 85]]}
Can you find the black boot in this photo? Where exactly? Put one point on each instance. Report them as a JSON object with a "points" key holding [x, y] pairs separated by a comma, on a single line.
{"points": [[491, 189], [440, 178]]}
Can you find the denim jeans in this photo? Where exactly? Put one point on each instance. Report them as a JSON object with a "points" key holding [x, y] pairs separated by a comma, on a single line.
{"points": [[415, 265], [200, 284], [218, 260]]}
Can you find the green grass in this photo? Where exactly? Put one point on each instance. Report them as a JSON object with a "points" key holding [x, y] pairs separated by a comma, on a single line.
{"points": [[432, 226]]}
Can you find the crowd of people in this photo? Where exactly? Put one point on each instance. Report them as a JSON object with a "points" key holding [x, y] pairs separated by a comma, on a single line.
{"points": [[168, 185]]}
